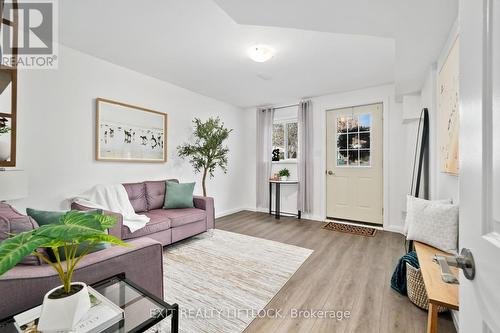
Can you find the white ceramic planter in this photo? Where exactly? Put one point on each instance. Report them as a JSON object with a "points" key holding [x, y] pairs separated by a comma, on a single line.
{"points": [[4, 147], [64, 313], [284, 178]]}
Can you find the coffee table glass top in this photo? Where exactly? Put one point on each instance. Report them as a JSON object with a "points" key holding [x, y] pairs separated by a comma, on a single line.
{"points": [[142, 310]]}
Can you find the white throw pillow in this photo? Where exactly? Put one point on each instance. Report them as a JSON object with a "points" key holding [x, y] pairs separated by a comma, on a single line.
{"points": [[434, 223], [409, 201]]}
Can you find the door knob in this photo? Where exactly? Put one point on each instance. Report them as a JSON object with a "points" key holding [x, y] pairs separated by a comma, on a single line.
{"points": [[331, 173], [464, 261]]}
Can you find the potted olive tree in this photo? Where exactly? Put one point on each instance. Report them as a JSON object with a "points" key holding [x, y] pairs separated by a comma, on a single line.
{"points": [[65, 305], [207, 151]]}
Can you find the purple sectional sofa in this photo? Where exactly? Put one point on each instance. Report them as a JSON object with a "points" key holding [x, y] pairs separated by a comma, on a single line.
{"points": [[24, 286], [166, 225]]}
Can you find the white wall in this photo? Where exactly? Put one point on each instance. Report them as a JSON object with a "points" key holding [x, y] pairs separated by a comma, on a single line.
{"points": [[442, 185], [56, 133], [395, 171]]}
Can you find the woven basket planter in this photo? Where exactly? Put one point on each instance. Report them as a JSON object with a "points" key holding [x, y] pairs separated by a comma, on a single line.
{"points": [[416, 289]]}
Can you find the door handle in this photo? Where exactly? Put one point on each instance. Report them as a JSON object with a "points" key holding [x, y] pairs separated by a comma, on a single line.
{"points": [[464, 261], [331, 173]]}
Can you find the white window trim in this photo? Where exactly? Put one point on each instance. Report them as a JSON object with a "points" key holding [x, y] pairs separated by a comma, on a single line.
{"points": [[284, 122]]}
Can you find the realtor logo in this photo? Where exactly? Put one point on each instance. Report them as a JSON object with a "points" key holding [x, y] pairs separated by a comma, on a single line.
{"points": [[34, 43]]}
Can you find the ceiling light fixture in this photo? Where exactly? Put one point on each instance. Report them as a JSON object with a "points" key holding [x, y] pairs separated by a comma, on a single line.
{"points": [[260, 53]]}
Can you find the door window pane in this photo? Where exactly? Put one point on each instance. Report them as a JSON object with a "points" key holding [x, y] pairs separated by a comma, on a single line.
{"points": [[365, 122], [342, 158], [364, 157], [364, 140], [354, 139], [342, 141], [341, 124]]}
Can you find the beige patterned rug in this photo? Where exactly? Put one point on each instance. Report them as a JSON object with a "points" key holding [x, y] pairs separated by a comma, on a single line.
{"points": [[222, 279]]}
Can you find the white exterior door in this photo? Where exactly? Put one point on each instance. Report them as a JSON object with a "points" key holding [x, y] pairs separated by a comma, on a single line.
{"points": [[480, 162], [354, 177]]}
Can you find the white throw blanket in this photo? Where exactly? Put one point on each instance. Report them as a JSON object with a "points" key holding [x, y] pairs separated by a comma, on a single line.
{"points": [[113, 198]]}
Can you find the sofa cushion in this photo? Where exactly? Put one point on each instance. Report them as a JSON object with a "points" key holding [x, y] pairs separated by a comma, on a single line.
{"points": [[158, 221], [184, 216], [137, 196], [155, 193]]}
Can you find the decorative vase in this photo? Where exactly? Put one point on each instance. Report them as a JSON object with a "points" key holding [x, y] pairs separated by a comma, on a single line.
{"points": [[284, 178], [63, 313], [4, 147]]}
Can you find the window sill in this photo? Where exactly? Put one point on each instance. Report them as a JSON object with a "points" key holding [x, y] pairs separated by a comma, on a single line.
{"points": [[285, 162]]}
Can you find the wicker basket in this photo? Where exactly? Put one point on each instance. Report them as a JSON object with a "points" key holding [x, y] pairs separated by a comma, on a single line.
{"points": [[416, 289]]}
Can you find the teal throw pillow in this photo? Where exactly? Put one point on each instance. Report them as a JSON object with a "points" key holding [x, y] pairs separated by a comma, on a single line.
{"points": [[46, 217], [178, 195]]}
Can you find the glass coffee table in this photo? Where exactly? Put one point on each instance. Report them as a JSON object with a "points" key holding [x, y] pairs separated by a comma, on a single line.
{"points": [[142, 310]]}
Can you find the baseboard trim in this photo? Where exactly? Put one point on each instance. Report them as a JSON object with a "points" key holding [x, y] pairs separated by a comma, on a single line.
{"points": [[391, 228], [233, 211], [394, 228]]}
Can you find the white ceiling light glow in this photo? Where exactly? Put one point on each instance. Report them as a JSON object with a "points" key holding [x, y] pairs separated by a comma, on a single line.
{"points": [[260, 53]]}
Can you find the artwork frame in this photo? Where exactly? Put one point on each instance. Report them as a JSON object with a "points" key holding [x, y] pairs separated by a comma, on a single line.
{"points": [[448, 105], [130, 133]]}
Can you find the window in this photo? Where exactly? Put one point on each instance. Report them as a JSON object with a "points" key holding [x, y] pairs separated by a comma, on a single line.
{"points": [[353, 140], [285, 140]]}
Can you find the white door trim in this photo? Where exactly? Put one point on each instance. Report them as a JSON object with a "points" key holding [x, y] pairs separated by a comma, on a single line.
{"points": [[386, 148]]}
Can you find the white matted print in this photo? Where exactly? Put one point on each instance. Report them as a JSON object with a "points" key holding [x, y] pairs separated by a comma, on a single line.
{"points": [[129, 133]]}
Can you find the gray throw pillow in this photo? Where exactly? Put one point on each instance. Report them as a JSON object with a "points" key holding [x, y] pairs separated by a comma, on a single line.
{"points": [[434, 223]]}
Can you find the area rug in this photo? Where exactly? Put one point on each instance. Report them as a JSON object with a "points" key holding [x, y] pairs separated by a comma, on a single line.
{"points": [[350, 229], [221, 280]]}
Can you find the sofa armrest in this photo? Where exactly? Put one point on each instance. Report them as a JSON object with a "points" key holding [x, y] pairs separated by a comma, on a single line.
{"points": [[207, 204], [24, 286], [117, 228]]}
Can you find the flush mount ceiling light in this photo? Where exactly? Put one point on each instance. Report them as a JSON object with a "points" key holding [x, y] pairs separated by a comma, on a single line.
{"points": [[260, 53]]}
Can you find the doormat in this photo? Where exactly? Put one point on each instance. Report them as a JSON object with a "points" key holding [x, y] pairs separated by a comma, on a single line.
{"points": [[350, 229]]}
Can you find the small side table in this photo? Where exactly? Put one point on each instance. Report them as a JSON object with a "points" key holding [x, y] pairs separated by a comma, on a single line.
{"points": [[277, 211]]}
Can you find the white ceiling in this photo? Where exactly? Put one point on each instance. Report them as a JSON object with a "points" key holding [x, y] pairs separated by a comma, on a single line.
{"points": [[322, 46]]}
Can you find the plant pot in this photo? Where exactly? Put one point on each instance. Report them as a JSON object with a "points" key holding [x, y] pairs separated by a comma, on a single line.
{"points": [[62, 314], [4, 147], [284, 178]]}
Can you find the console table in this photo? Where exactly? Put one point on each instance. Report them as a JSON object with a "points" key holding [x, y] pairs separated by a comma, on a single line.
{"points": [[277, 211]]}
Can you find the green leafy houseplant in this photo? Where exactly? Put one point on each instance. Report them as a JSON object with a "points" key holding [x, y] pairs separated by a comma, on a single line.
{"points": [[207, 151], [284, 172], [73, 229]]}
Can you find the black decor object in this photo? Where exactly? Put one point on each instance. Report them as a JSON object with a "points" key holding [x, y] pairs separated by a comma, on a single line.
{"points": [[276, 155], [420, 176]]}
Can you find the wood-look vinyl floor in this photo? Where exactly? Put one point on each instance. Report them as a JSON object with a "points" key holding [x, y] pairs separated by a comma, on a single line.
{"points": [[345, 273]]}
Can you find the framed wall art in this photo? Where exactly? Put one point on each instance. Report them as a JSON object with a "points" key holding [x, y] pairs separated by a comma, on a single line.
{"points": [[448, 111], [127, 133]]}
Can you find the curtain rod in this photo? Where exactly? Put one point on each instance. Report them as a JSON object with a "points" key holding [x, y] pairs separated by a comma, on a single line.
{"points": [[285, 106]]}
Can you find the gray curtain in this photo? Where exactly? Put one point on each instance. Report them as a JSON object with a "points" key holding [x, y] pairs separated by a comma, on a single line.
{"points": [[305, 157], [264, 152]]}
